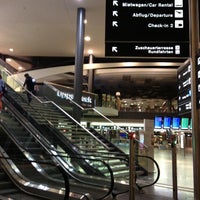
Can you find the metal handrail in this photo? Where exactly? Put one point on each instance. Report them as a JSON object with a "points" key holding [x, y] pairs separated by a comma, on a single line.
{"points": [[158, 169], [66, 180]]}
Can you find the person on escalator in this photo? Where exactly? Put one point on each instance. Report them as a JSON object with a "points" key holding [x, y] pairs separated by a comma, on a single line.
{"points": [[2, 88], [29, 83]]}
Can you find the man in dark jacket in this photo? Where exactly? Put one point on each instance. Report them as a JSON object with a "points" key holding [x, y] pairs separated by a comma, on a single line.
{"points": [[29, 83]]}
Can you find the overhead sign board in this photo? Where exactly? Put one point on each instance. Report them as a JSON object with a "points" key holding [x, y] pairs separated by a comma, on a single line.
{"points": [[154, 28], [184, 89]]}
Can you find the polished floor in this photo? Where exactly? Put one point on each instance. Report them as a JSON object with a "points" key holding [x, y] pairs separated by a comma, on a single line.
{"points": [[163, 190]]}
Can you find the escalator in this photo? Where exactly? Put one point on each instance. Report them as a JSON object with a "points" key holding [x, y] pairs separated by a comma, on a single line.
{"points": [[6, 185], [19, 142], [60, 130], [9, 190], [145, 176], [20, 179], [66, 135]]}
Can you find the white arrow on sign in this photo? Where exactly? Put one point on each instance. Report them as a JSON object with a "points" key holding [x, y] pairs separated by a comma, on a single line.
{"points": [[115, 3], [114, 49], [115, 13], [115, 23]]}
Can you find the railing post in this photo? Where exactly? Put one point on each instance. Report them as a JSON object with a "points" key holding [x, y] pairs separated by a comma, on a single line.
{"points": [[174, 168], [131, 166]]}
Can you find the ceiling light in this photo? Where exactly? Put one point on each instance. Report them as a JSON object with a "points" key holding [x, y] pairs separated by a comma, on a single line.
{"points": [[19, 68], [8, 59], [85, 21], [87, 38], [11, 49], [90, 51]]}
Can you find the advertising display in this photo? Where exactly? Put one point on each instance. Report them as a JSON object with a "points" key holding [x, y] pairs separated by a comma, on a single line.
{"points": [[151, 28]]}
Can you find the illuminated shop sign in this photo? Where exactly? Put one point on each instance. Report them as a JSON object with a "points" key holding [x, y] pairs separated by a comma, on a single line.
{"points": [[154, 28], [70, 96]]}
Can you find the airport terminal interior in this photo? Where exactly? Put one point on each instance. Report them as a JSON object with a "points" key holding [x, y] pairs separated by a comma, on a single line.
{"points": [[92, 109]]}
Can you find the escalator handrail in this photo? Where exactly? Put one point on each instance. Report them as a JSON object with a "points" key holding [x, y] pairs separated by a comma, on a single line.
{"points": [[158, 170], [66, 179]]}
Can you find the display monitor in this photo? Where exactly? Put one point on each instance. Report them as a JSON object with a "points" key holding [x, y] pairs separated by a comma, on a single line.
{"points": [[167, 122], [190, 126], [176, 121], [158, 122], [184, 123]]}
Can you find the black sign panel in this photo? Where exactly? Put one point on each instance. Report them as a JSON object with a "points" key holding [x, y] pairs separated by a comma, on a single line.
{"points": [[137, 49], [184, 89], [150, 23], [198, 80]]}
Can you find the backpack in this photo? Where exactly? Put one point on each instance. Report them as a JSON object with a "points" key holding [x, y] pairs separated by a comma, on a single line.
{"points": [[4, 89]]}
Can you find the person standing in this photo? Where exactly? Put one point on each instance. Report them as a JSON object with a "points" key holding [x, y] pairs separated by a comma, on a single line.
{"points": [[2, 86], [29, 83]]}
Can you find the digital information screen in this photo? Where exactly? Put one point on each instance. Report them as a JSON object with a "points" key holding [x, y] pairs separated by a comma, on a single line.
{"points": [[151, 28], [158, 122], [176, 122], [167, 122], [184, 89], [184, 123], [198, 80]]}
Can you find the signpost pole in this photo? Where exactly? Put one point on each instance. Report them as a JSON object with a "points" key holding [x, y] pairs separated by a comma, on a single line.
{"points": [[174, 167]]}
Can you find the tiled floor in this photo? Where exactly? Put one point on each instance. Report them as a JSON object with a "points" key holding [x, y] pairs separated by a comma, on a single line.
{"points": [[158, 193], [163, 189]]}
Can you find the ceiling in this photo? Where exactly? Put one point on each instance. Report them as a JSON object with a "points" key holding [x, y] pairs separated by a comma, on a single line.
{"points": [[47, 28]]}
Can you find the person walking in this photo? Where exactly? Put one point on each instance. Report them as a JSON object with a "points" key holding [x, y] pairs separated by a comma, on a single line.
{"points": [[29, 83]]}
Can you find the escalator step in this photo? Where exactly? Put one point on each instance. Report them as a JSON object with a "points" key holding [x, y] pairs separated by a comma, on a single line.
{"points": [[8, 191], [5, 185]]}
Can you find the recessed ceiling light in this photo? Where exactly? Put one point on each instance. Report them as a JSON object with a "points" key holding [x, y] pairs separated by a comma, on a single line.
{"points": [[87, 38], [85, 21], [11, 49]]}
